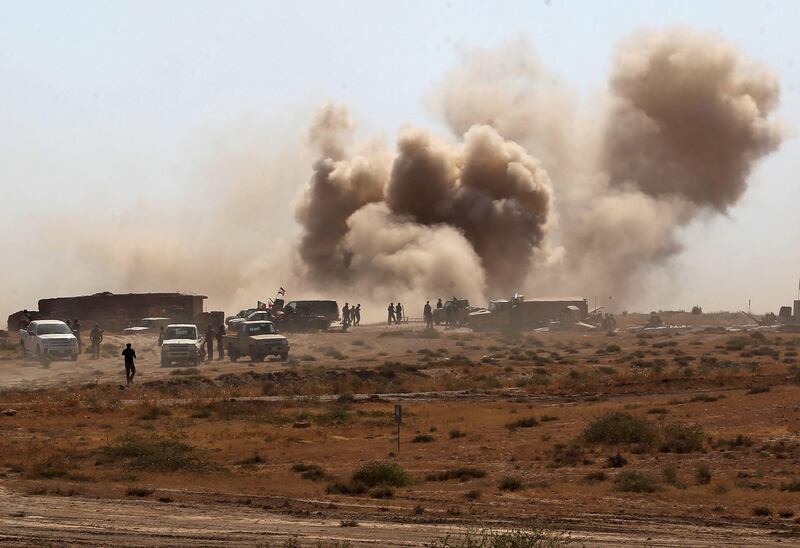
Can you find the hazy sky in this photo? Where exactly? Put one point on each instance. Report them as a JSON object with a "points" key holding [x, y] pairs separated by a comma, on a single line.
{"points": [[103, 104]]}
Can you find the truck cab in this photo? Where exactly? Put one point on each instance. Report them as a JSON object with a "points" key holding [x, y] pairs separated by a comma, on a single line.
{"points": [[48, 340], [257, 339], [181, 344]]}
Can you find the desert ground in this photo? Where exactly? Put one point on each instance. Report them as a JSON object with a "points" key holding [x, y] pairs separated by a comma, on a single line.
{"points": [[667, 437]]}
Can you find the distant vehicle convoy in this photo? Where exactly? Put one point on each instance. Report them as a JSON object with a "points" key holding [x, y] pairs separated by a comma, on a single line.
{"points": [[48, 340], [257, 339], [181, 344], [309, 315]]}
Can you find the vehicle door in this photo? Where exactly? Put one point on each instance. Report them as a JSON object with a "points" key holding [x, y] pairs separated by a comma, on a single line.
{"points": [[28, 341]]}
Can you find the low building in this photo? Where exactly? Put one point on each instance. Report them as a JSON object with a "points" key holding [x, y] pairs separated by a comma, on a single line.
{"points": [[117, 311]]}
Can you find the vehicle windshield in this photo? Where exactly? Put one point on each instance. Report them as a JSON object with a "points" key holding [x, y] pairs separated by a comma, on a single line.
{"points": [[180, 333], [261, 329], [146, 323], [53, 329]]}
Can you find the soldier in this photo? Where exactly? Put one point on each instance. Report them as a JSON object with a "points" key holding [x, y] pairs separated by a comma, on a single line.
{"points": [[209, 343], [391, 313], [357, 315], [398, 313], [346, 316], [160, 336], [220, 334], [76, 330], [96, 337], [427, 313], [130, 368]]}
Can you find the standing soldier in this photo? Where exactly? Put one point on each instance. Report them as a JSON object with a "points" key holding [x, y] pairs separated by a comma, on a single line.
{"points": [[357, 315], [427, 314], [96, 337], [220, 334], [391, 313], [160, 336], [398, 312], [76, 330], [209, 343], [130, 368], [346, 316]]}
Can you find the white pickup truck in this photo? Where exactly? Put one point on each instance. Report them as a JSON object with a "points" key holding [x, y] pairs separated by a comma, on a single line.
{"points": [[182, 344], [48, 340]]}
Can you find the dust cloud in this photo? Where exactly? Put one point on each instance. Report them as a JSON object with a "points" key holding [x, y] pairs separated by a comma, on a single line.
{"points": [[535, 190]]}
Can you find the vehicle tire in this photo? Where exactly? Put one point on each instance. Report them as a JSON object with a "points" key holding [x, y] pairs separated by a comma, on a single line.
{"points": [[195, 362], [164, 362], [284, 356], [74, 357], [22, 349], [233, 354]]}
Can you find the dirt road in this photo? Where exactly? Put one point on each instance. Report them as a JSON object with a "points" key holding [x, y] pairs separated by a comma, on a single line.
{"points": [[43, 520]]}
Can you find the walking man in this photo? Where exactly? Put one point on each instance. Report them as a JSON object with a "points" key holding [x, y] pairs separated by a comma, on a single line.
{"points": [[220, 334], [391, 313], [130, 369], [398, 312], [209, 343], [357, 315], [96, 337], [427, 313]]}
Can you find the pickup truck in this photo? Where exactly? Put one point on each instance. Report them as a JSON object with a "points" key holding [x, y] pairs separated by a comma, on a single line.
{"points": [[47, 340], [182, 344], [257, 339]]}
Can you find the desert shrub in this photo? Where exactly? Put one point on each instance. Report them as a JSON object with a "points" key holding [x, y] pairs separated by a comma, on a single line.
{"points": [[681, 438], [336, 415], [786, 514], [353, 488], [150, 453], [138, 491], [593, 477], [154, 412], [313, 472], [737, 442], [422, 438], [381, 492], [703, 474], [510, 483], [527, 422], [619, 427], [49, 465], [455, 434], [461, 474], [670, 474], [381, 473], [636, 482], [657, 411], [548, 418], [792, 486], [762, 511], [566, 455], [758, 390], [616, 461], [472, 494]]}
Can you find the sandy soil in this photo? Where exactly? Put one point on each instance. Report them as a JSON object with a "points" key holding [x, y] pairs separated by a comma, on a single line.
{"points": [[247, 425]]}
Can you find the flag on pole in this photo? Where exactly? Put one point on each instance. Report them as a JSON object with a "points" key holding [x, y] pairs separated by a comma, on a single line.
{"points": [[281, 291]]}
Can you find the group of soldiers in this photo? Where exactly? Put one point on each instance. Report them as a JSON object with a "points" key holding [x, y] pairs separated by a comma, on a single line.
{"points": [[351, 315], [395, 313], [427, 313], [209, 339]]}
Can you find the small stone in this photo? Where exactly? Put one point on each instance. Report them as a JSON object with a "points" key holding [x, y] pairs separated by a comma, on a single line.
{"points": [[8, 412]]}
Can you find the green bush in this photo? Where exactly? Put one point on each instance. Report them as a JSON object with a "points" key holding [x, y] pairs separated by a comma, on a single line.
{"points": [[376, 473], [151, 453], [422, 438], [510, 483], [619, 427], [681, 438], [636, 482]]}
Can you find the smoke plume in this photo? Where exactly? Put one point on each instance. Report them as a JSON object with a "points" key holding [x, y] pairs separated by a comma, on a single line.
{"points": [[484, 194]]}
